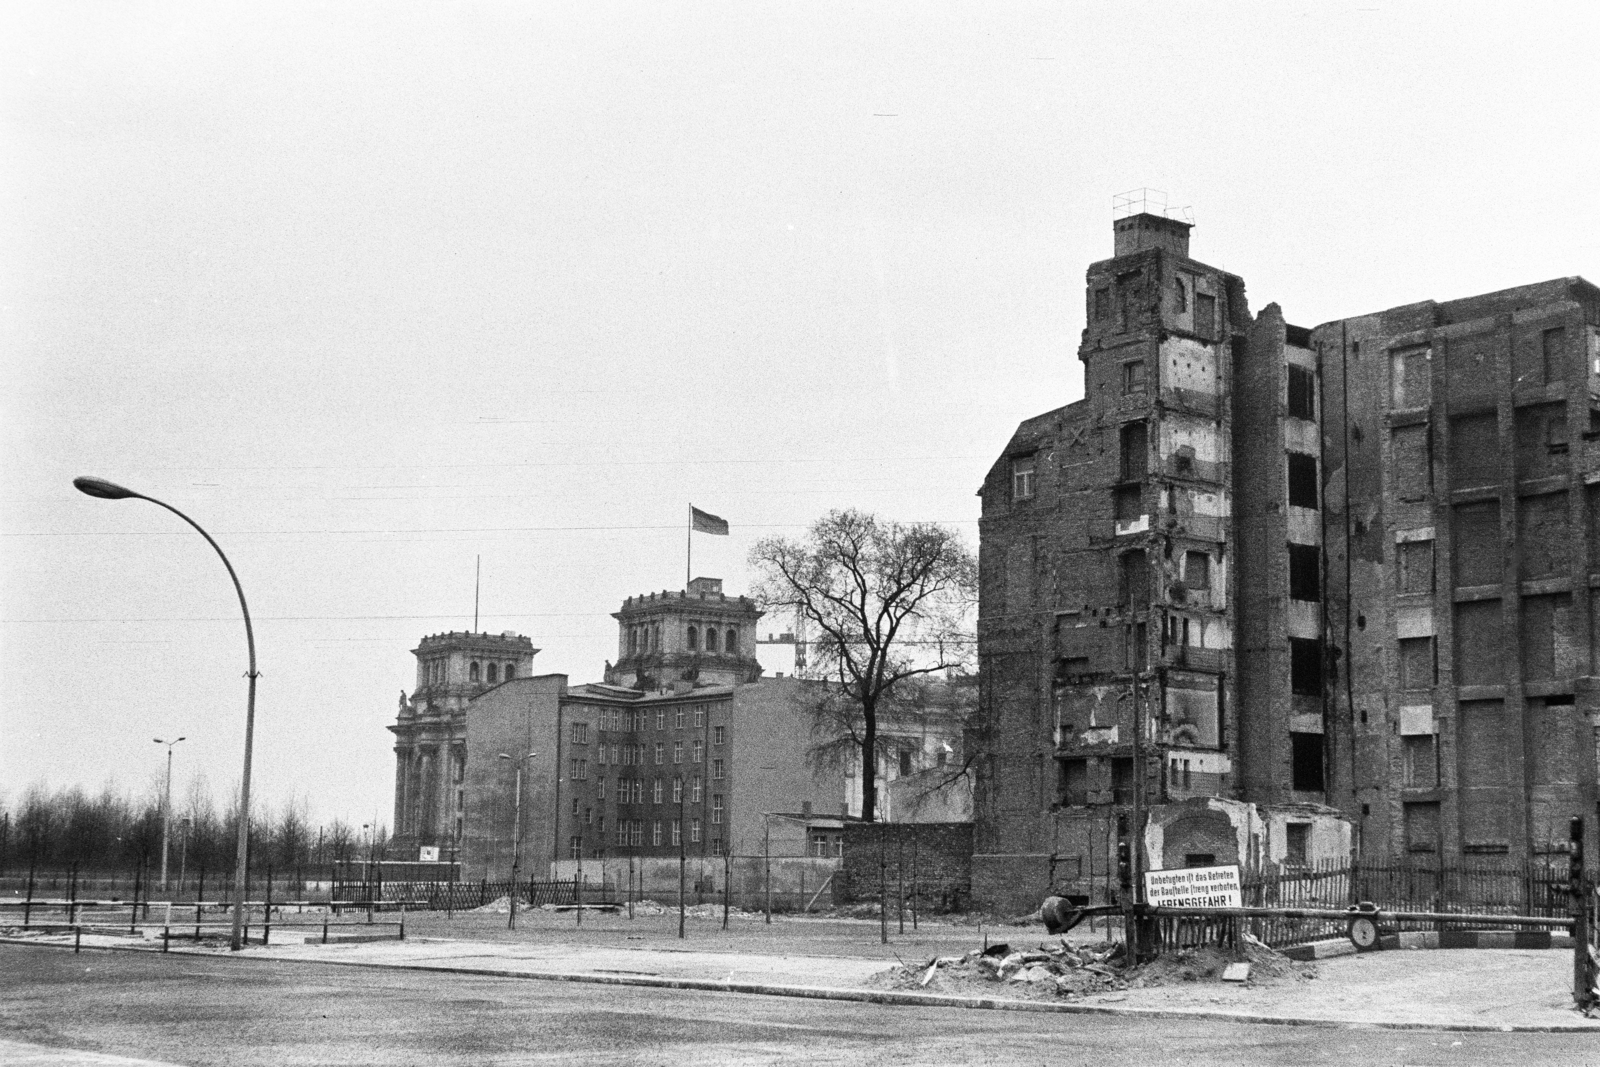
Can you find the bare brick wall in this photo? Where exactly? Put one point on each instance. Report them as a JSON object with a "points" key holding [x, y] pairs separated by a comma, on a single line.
{"points": [[934, 859]]}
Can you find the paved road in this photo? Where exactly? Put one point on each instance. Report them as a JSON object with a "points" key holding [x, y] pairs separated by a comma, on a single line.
{"points": [[240, 1012]]}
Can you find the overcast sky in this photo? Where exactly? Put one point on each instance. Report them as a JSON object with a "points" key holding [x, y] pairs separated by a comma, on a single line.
{"points": [[373, 290]]}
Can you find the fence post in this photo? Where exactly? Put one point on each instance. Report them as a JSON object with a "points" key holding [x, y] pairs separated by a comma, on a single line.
{"points": [[900, 876], [27, 907], [883, 891], [133, 912], [72, 896]]}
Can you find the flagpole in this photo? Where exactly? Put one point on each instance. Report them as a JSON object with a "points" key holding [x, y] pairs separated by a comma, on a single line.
{"points": [[688, 556]]}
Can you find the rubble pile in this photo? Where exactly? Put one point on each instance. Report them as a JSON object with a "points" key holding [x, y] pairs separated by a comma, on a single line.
{"points": [[1059, 970], [1052, 971]]}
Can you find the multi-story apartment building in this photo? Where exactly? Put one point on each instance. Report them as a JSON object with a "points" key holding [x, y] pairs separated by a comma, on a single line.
{"points": [[683, 746], [1303, 590]]}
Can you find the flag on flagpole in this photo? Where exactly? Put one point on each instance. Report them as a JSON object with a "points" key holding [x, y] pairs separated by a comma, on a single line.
{"points": [[705, 522]]}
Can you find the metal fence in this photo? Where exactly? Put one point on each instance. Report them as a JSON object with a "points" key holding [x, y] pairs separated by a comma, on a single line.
{"points": [[462, 896], [1533, 889]]}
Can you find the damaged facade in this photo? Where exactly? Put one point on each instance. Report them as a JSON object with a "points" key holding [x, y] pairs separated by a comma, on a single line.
{"points": [[1342, 574]]}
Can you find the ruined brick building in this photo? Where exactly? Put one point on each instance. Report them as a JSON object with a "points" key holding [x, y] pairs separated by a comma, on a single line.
{"points": [[1344, 573]]}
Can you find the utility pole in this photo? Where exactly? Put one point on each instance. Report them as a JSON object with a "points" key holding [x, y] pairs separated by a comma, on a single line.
{"points": [[516, 837]]}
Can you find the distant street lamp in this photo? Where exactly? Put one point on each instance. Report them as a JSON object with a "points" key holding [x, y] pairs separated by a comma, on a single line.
{"points": [[516, 836], [99, 487], [166, 810]]}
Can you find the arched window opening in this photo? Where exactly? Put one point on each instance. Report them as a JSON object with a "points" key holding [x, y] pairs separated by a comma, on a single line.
{"points": [[492, 673], [711, 639], [694, 639], [633, 639], [472, 671], [511, 671], [732, 644], [1180, 295]]}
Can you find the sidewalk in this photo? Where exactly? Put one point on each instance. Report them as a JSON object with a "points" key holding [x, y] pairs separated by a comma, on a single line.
{"points": [[1451, 989]]}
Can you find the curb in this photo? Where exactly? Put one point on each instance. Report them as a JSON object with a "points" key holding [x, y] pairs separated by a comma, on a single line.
{"points": [[877, 996]]}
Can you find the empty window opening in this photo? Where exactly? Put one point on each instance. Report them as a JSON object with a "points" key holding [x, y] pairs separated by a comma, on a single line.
{"points": [[694, 638], [730, 641], [1180, 295], [1134, 451], [1305, 666], [1205, 314], [492, 673], [1302, 393], [1102, 304], [1302, 480], [1197, 570], [711, 639], [1134, 587], [472, 671], [1551, 343], [1416, 663], [1305, 573], [1421, 761], [1306, 769]]}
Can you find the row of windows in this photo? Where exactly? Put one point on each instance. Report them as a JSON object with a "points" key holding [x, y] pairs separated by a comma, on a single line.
{"points": [[637, 720], [648, 638], [638, 755], [632, 832], [437, 672], [632, 790]]}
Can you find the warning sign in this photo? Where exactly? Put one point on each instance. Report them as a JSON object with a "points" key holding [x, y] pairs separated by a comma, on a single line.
{"points": [[1193, 887]]}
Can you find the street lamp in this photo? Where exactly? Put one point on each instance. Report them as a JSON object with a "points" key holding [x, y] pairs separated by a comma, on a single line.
{"points": [[166, 810], [516, 836], [99, 487]]}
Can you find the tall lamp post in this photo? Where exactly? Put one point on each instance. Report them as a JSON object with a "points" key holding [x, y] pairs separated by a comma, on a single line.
{"points": [[99, 487], [166, 810], [516, 835]]}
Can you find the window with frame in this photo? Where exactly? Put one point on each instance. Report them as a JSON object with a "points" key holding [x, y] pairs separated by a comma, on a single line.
{"points": [[677, 716], [719, 735], [699, 751], [695, 791], [638, 790], [677, 790], [661, 752], [600, 788], [677, 831], [575, 847], [1550, 344], [677, 752], [694, 831], [572, 771], [1023, 470], [580, 733], [636, 834], [1297, 844], [655, 792], [699, 716], [717, 768], [655, 832], [716, 809], [1133, 377], [716, 846]]}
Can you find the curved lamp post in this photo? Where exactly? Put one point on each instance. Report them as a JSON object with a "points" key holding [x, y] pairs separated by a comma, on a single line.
{"points": [[99, 487], [166, 808]]}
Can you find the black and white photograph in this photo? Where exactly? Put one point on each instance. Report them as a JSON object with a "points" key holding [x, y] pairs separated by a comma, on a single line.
{"points": [[915, 533]]}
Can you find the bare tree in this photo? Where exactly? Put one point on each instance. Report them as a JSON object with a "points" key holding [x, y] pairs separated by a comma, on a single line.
{"points": [[885, 601]]}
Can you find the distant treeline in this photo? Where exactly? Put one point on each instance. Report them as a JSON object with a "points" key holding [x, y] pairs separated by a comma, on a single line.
{"points": [[115, 831]]}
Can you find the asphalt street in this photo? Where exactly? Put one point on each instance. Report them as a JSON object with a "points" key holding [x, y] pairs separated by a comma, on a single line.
{"points": [[200, 1010]]}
